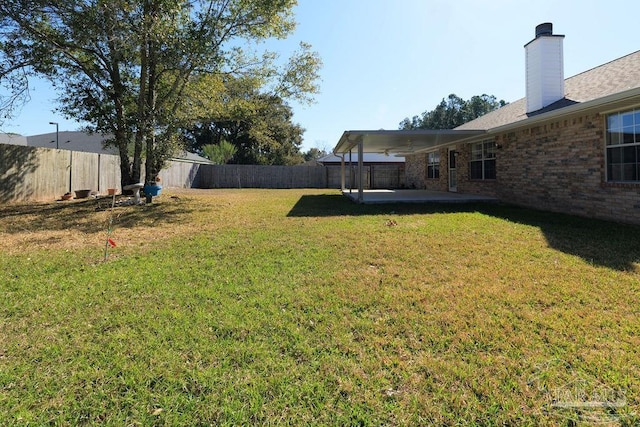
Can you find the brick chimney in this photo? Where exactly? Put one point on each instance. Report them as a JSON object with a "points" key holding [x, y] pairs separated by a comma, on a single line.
{"points": [[544, 68]]}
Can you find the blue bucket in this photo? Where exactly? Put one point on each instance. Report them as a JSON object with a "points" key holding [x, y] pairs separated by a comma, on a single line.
{"points": [[152, 190]]}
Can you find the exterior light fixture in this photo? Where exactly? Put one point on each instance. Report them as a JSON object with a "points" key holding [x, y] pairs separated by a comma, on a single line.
{"points": [[57, 134]]}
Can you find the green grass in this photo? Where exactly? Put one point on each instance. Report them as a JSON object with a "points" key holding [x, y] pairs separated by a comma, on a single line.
{"points": [[298, 307]]}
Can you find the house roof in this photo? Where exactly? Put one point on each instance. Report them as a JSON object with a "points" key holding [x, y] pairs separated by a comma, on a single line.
{"points": [[615, 77], [93, 143], [615, 84], [72, 140], [12, 139], [189, 157]]}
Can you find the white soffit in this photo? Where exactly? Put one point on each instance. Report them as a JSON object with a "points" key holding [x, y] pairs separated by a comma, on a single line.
{"points": [[400, 141]]}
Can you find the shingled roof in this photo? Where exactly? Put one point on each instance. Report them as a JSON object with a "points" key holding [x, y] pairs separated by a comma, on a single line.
{"points": [[613, 77]]}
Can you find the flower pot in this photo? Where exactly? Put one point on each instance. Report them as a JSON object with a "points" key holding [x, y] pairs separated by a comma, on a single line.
{"points": [[152, 190], [82, 194], [67, 196]]}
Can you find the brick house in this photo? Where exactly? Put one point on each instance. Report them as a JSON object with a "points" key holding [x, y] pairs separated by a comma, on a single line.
{"points": [[569, 146]]}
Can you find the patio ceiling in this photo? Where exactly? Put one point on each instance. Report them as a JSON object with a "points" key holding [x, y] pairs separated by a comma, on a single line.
{"points": [[400, 142]]}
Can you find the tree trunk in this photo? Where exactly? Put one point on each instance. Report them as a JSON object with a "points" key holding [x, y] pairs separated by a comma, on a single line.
{"points": [[151, 162], [150, 98], [120, 133], [127, 175]]}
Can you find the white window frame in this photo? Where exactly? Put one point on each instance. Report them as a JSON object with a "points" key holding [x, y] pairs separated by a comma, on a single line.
{"points": [[621, 126], [487, 150], [433, 162]]}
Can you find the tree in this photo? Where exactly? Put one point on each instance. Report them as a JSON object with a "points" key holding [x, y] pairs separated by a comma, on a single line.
{"points": [[260, 126], [453, 112], [480, 105], [220, 153], [130, 68], [16, 91], [314, 153]]}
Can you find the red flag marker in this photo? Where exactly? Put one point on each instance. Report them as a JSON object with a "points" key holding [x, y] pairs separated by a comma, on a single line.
{"points": [[112, 243]]}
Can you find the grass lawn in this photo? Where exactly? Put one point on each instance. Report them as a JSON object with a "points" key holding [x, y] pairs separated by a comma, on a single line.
{"points": [[236, 307]]}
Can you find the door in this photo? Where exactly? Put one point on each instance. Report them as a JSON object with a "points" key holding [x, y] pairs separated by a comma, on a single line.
{"points": [[453, 173]]}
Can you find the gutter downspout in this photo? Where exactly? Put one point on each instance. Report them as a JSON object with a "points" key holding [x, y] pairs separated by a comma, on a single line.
{"points": [[360, 183], [342, 174], [350, 173]]}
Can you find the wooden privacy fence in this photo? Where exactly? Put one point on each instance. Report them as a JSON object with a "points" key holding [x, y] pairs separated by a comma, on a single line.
{"points": [[374, 176], [259, 176], [180, 174], [33, 173]]}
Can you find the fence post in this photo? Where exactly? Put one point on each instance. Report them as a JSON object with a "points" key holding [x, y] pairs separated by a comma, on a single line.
{"points": [[70, 170]]}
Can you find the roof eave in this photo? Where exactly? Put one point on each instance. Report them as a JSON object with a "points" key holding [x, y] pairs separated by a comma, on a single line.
{"points": [[350, 139], [473, 135], [614, 101], [344, 145]]}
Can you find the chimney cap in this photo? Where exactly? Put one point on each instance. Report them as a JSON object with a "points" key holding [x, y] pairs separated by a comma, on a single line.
{"points": [[544, 29]]}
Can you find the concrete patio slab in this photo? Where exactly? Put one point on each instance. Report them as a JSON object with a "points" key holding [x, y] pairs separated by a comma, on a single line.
{"points": [[416, 196]]}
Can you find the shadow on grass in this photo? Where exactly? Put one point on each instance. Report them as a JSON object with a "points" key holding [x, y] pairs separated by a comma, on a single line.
{"points": [[339, 205], [599, 242], [82, 215]]}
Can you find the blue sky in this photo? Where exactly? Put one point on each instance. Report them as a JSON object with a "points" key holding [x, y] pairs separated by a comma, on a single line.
{"points": [[389, 59]]}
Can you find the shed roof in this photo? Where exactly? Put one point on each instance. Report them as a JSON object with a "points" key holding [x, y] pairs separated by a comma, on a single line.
{"points": [[366, 157]]}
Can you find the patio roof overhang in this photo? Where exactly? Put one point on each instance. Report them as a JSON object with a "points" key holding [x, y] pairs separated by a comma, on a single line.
{"points": [[393, 142], [400, 142]]}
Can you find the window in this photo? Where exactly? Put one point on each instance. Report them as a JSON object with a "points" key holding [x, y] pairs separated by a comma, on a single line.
{"points": [[433, 165], [483, 160], [623, 146]]}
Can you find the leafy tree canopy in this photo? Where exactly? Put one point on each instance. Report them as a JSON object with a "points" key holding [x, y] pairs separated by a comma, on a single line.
{"points": [[259, 125], [220, 153], [314, 153], [142, 70], [453, 112]]}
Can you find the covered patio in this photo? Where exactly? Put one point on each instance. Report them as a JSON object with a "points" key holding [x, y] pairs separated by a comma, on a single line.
{"points": [[398, 143]]}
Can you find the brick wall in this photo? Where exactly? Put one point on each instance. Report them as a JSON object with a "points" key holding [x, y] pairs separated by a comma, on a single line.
{"points": [[559, 166], [556, 166], [415, 169], [416, 172], [487, 187], [441, 183]]}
